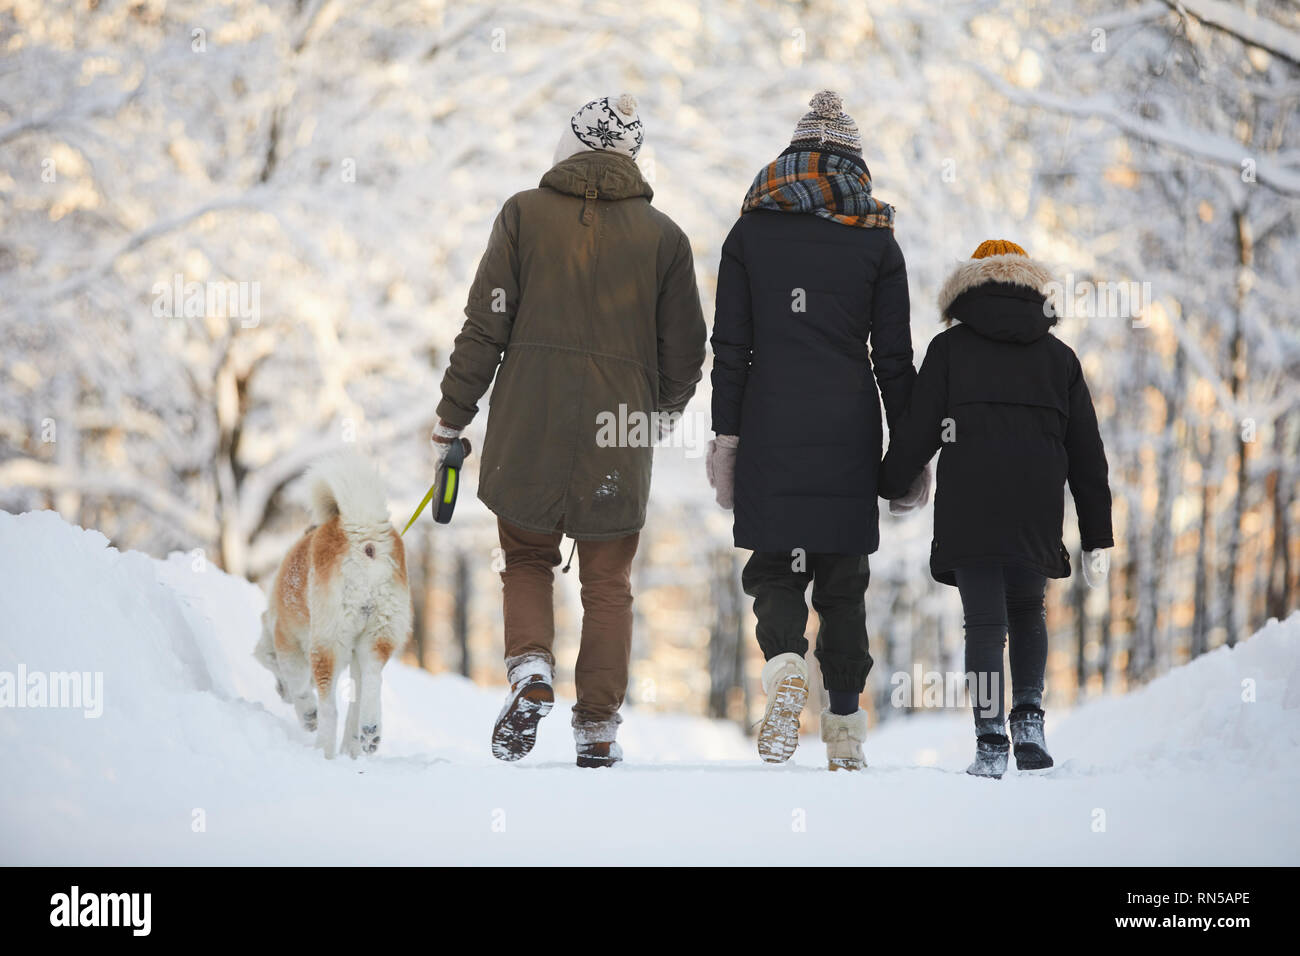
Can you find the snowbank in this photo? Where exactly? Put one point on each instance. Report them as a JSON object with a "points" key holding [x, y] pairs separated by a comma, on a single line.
{"points": [[193, 759]]}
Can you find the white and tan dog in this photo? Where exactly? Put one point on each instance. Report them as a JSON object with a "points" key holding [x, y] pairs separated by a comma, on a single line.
{"points": [[339, 599]]}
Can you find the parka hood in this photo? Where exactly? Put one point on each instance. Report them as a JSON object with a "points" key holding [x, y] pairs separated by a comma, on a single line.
{"points": [[612, 175], [1000, 297]]}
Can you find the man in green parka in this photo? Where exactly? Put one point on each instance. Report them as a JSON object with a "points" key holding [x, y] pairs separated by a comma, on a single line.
{"points": [[584, 305]]}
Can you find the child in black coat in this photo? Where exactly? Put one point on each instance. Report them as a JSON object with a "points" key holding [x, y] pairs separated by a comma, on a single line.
{"points": [[1007, 403]]}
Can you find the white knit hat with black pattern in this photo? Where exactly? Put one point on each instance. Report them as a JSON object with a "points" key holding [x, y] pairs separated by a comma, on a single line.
{"points": [[611, 124], [827, 125]]}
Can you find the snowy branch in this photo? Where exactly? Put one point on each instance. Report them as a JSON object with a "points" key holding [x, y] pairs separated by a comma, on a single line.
{"points": [[29, 473], [107, 106], [1193, 143], [1244, 25]]}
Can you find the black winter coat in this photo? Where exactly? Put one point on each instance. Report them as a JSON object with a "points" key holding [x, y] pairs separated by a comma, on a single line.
{"points": [[1007, 403], [800, 387]]}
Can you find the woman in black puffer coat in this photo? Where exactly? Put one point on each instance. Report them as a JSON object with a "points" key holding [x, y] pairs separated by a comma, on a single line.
{"points": [[1006, 402], [811, 341]]}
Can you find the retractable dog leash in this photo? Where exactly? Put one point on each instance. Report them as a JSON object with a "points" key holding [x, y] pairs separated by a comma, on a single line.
{"points": [[445, 488]]}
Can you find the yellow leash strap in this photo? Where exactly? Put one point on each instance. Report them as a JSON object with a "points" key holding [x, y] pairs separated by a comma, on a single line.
{"points": [[423, 504], [449, 478]]}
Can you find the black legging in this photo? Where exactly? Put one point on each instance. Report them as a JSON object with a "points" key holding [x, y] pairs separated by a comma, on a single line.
{"points": [[997, 599]]}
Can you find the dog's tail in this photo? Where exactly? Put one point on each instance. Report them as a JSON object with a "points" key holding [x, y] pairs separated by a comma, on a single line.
{"points": [[347, 485]]}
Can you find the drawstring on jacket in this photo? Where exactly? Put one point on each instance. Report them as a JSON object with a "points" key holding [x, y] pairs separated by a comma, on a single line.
{"points": [[565, 569]]}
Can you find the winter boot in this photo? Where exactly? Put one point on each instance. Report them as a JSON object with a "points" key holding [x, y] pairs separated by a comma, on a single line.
{"points": [[531, 698], [991, 752], [785, 681], [595, 742], [844, 734], [1028, 740]]}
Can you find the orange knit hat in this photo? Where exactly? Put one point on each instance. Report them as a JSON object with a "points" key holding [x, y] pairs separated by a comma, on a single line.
{"points": [[998, 247]]}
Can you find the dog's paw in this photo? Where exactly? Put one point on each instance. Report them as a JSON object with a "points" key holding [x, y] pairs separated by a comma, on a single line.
{"points": [[309, 720], [353, 747], [369, 738]]}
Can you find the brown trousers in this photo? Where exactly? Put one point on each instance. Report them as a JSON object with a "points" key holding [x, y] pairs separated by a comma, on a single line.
{"points": [[605, 571]]}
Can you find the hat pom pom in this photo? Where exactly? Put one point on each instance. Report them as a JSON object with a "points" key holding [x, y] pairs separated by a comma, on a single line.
{"points": [[827, 104], [626, 104]]}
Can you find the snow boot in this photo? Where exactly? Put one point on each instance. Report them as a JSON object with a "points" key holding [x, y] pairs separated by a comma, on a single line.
{"points": [[599, 755], [595, 742], [531, 698], [991, 751], [844, 734], [1028, 740], [785, 681]]}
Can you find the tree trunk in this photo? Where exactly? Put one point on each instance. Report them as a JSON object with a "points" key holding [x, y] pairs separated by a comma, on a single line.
{"points": [[725, 660], [1104, 632], [1135, 667], [1079, 601], [1237, 352], [1282, 493], [1200, 637], [460, 616], [67, 444], [1167, 487], [421, 602]]}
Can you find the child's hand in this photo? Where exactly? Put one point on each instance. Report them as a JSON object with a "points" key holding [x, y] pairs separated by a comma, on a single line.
{"points": [[720, 466], [1096, 565], [917, 496]]}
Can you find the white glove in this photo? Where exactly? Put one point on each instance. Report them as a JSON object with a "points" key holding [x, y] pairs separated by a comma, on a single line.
{"points": [[443, 436], [1096, 565], [720, 466], [917, 496]]}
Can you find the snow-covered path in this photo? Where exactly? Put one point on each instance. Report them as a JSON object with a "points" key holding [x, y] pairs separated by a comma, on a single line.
{"points": [[1183, 771]]}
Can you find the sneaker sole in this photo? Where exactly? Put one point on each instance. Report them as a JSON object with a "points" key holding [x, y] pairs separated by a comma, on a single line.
{"points": [[778, 735], [515, 732]]}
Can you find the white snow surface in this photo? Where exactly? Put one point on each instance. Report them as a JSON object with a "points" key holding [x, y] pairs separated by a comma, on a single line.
{"points": [[1199, 767]]}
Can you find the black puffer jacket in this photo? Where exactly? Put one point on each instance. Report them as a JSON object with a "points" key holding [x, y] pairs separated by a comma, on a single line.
{"points": [[1007, 403], [800, 387]]}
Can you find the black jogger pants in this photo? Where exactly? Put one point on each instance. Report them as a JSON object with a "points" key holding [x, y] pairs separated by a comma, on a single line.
{"points": [[777, 580]]}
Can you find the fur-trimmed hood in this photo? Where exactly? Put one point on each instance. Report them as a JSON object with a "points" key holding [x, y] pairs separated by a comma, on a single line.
{"points": [[1002, 297], [1011, 269]]}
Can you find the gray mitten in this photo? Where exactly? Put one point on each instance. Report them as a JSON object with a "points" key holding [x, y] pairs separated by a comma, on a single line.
{"points": [[720, 466]]}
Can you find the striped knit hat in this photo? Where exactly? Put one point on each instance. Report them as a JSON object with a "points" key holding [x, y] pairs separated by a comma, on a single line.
{"points": [[827, 125]]}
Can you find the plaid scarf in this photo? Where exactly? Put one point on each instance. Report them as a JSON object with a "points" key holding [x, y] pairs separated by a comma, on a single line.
{"points": [[825, 184]]}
